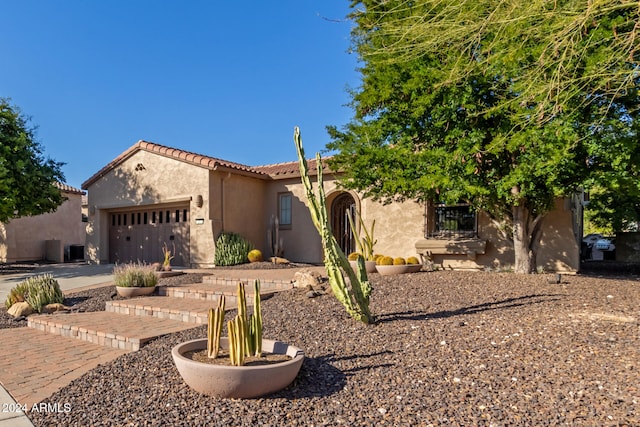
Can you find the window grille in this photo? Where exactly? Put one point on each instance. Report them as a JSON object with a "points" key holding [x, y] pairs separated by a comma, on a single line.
{"points": [[452, 222]]}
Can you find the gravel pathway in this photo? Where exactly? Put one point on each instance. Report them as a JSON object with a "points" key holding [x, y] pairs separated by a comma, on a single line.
{"points": [[449, 348]]}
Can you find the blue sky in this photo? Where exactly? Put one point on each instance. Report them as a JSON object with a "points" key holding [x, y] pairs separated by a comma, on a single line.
{"points": [[224, 79]]}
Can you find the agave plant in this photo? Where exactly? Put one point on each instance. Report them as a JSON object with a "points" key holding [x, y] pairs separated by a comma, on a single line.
{"points": [[364, 241]]}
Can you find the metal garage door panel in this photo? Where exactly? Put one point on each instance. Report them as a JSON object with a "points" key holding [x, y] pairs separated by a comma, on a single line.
{"points": [[138, 236]]}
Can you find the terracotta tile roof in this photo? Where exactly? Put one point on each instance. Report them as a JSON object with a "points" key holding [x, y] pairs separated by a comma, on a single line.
{"points": [[183, 155], [273, 171], [291, 169], [68, 189]]}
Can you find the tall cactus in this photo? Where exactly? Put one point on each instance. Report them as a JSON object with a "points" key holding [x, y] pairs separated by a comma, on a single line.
{"points": [[354, 297], [214, 329], [245, 331], [256, 320]]}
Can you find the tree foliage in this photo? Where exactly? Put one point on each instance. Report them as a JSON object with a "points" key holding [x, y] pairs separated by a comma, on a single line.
{"points": [[502, 104], [28, 181]]}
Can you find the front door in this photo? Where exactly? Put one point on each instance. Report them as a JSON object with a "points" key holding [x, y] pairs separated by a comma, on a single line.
{"points": [[340, 224]]}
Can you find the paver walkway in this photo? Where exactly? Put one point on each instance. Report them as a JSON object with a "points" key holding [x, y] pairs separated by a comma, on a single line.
{"points": [[37, 363]]}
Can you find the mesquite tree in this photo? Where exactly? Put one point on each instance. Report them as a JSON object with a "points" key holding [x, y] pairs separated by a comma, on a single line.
{"points": [[502, 105]]}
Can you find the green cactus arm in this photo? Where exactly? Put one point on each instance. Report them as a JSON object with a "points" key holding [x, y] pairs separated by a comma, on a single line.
{"points": [[231, 328], [241, 327], [257, 315], [352, 298]]}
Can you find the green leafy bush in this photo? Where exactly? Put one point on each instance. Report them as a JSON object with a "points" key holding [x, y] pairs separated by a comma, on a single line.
{"points": [[231, 249], [37, 291], [134, 275]]}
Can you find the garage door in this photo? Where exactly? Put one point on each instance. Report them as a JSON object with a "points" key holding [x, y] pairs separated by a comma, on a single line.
{"points": [[139, 235]]}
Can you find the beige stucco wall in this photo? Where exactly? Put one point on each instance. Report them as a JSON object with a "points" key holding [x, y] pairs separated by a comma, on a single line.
{"points": [[24, 239], [237, 205], [558, 250], [397, 225], [301, 240], [146, 179]]}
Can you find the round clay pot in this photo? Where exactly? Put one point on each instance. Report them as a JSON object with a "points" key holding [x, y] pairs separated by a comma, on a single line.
{"points": [[369, 266], [386, 270], [414, 268], [130, 292], [241, 382]]}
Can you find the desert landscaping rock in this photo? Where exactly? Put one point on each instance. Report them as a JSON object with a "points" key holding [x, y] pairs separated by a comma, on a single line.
{"points": [[448, 348], [20, 309]]}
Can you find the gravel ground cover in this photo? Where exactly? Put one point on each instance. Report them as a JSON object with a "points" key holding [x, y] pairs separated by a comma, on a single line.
{"points": [[448, 348]]}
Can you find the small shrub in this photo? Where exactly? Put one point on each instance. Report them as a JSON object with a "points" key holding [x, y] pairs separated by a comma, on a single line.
{"points": [[135, 275], [37, 291], [413, 260], [385, 260], [399, 261], [255, 256], [231, 249]]}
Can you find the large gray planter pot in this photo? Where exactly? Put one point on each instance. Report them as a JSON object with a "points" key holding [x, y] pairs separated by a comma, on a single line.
{"points": [[369, 266], [243, 382], [387, 270], [130, 292]]}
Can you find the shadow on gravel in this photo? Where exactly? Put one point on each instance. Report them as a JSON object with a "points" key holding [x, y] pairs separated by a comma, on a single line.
{"points": [[497, 305], [317, 378], [71, 301], [15, 268]]}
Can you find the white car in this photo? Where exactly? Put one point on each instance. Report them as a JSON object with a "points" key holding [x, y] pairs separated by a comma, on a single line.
{"points": [[599, 242], [604, 245]]}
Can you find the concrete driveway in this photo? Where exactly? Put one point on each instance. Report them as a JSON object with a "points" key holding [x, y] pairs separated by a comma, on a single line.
{"points": [[69, 276]]}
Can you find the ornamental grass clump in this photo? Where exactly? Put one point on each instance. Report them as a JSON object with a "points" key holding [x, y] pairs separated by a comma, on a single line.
{"points": [[37, 291], [134, 275]]}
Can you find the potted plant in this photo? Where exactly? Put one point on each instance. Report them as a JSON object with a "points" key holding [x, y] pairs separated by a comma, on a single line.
{"points": [[242, 365], [365, 243], [166, 264], [387, 265], [134, 279]]}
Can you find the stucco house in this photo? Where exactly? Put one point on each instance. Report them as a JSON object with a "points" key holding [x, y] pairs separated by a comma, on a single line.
{"points": [[56, 236], [153, 194]]}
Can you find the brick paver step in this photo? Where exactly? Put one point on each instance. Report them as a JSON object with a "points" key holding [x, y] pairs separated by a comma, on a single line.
{"points": [[189, 310], [211, 292], [265, 284], [106, 328]]}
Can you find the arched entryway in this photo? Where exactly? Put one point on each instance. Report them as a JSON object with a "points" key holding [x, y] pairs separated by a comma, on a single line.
{"points": [[342, 204]]}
